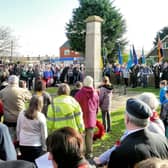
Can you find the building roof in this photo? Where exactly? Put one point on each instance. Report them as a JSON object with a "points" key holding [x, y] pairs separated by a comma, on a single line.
{"points": [[66, 44], [153, 51]]}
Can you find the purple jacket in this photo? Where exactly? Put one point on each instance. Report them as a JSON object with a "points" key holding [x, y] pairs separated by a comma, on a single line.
{"points": [[89, 101], [105, 96]]}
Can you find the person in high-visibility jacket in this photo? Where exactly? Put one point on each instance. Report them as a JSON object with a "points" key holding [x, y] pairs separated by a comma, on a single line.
{"points": [[64, 111]]}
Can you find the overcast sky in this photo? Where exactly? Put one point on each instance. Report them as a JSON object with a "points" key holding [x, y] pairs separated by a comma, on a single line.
{"points": [[40, 24]]}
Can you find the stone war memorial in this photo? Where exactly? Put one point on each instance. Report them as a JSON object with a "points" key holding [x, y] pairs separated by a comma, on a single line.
{"points": [[93, 48]]}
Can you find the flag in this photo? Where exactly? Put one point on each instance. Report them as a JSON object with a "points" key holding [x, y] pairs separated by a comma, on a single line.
{"points": [[143, 61], [135, 58], [130, 60], [120, 59], [160, 50]]}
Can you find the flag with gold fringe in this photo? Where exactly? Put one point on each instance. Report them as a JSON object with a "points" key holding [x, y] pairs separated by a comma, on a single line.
{"points": [[159, 50]]}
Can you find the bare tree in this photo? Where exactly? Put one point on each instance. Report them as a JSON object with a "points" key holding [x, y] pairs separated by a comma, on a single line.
{"points": [[7, 41]]}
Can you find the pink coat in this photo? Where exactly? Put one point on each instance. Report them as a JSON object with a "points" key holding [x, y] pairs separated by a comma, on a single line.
{"points": [[89, 101], [105, 97]]}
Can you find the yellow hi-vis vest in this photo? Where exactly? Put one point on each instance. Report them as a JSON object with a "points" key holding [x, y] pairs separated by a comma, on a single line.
{"points": [[64, 111]]}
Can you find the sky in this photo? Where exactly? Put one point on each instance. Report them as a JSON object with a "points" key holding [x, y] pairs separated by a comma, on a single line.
{"points": [[144, 18], [39, 25]]}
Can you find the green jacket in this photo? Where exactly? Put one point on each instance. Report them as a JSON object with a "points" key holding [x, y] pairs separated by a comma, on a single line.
{"points": [[64, 111]]}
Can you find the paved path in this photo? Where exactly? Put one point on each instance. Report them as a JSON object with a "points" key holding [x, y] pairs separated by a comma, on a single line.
{"points": [[120, 100]]}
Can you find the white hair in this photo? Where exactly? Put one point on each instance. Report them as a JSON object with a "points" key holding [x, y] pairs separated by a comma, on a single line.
{"points": [[13, 79], [150, 99], [88, 81]]}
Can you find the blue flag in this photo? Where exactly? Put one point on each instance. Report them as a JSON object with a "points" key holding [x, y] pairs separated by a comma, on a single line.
{"points": [[120, 59], [135, 58], [130, 60], [143, 57]]}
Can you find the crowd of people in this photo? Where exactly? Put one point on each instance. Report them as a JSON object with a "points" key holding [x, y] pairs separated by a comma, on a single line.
{"points": [[52, 74], [137, 75], [34, 123]]}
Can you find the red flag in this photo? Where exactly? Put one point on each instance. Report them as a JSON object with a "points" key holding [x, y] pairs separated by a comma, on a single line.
{"points": [[160, 50]]}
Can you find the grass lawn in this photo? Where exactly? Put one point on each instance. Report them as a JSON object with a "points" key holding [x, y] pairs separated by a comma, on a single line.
{"points": [[118, 126], [117, 117], [52, 90], [141, 90], [116, 132]]}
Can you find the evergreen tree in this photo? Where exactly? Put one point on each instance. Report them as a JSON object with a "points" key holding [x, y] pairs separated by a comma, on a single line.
{"points": [[162, 33], [113, 26]]}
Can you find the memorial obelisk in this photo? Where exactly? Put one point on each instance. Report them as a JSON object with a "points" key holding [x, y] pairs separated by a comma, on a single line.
{"points": [[93, 48]]}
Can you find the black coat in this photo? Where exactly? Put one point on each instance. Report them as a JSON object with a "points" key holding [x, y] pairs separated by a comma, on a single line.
{"points": [[138, 146]]}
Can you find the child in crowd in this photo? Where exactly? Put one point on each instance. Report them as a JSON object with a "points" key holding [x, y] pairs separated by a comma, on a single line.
{"points": [[164, 113], [22, 84], [105, 96], [163, 88], [32, 130], [40, 90], [78, 86]]}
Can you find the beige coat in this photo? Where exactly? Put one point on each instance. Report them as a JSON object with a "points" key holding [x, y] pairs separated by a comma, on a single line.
{"points": [[13, 98]]}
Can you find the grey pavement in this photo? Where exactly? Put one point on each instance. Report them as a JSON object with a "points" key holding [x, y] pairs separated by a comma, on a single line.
{"points": [[119, 100]]}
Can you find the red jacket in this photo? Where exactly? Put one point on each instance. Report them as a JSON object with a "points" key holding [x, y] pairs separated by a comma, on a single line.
{"points": [[1, 108], [89, 101]]}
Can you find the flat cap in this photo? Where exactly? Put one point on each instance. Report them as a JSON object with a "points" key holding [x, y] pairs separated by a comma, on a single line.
{"points": [[138, 108]]}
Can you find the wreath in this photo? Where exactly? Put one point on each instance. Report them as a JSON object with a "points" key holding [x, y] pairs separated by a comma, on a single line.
{"points": [[100, 131]]}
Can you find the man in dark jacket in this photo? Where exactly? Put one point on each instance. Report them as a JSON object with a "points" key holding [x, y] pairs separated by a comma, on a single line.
{"points": [[139, 143]]}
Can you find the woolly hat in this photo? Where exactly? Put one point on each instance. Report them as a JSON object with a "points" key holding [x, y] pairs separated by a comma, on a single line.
{"points": [[138, 108], [13, 79], [88, 81]]}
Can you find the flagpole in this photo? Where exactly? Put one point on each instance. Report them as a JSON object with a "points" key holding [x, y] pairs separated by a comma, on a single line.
{"points": [[120, 59]]}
